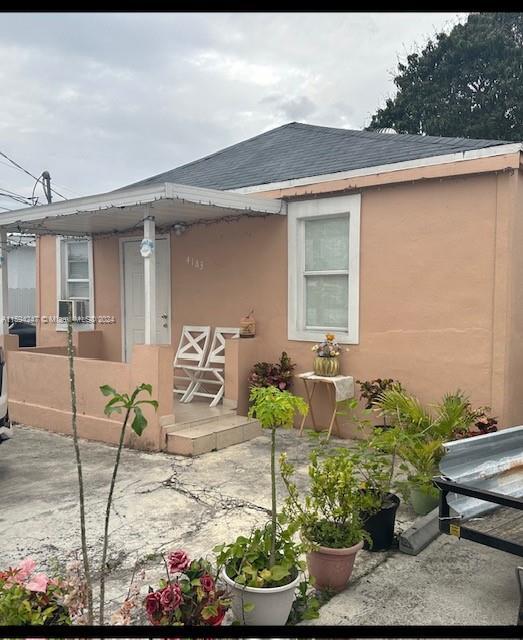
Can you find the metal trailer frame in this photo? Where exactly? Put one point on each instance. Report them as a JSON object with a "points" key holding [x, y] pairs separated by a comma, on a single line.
{"points": [[451, 524]]}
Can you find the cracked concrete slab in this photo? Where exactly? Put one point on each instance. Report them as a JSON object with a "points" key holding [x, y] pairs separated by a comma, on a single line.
{"points": [[164, 501]]}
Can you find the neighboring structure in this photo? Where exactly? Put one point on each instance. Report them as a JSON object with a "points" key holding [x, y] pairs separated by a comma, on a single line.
{"points": [[406, 247], [21, 277]]}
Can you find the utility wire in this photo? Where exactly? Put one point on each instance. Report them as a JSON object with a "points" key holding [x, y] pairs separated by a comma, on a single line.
{"points": [[33, 194], [28, 172], [18, 166], [21, 199], [13, 193]]}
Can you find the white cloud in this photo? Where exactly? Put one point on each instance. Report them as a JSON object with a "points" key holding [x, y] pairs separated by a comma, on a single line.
{"points": [[102, 100]]}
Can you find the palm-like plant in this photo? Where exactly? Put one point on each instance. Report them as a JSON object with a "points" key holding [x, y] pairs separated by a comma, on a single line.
{"points": [[450, 417], [419, 432]]}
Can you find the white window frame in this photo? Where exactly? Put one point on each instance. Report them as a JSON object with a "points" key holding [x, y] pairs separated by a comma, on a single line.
{"points": [[297, 213], [61, 269]]}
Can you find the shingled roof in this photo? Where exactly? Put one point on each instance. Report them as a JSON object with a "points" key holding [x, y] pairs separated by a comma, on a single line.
{"points": [[297, 150]]}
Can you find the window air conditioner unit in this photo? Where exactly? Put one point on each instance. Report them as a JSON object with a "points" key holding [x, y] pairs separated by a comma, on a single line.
{"points": [[79, 310]]}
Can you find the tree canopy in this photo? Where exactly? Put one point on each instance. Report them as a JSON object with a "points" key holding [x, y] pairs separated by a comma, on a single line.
{"points": [[467, 83]]}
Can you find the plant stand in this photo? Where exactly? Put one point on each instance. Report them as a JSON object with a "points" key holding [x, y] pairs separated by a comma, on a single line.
{"points": [[339, 388]]}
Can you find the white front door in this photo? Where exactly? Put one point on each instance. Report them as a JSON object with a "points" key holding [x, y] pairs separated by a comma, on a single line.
{"points": [[134, 296]]}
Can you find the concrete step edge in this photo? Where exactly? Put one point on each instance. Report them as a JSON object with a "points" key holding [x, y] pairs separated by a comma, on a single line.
{"points": [[207, 428], [179, 426]]}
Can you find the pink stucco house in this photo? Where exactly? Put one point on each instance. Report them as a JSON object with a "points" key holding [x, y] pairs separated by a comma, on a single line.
{"points": [[406, 247]]}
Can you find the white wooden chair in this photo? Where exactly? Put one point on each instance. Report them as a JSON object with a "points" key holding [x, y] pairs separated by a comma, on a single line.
{"points": [[192, 351], [212, 372]]}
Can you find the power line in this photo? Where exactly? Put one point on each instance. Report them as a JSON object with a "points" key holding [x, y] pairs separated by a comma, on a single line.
{"points": [[33, 194], [13, 193], [27, 172], [22, 200], [62, 186], [18, 166]]}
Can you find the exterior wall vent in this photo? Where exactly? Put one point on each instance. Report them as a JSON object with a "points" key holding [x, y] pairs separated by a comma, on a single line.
{"points": [[386, 130]]}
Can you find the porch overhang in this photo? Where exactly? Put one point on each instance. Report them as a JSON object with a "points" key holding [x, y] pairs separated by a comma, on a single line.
{"points": [[124, 210]]}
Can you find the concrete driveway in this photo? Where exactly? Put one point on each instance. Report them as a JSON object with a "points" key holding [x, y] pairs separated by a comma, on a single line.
{"points": [[163, 502]]}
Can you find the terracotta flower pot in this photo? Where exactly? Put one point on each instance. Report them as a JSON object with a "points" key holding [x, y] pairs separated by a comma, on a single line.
{"points": [[326, 366], [332, 568]]}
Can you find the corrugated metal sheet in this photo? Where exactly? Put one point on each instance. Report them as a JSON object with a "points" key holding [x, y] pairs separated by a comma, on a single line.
{"points": [[493, 462]]}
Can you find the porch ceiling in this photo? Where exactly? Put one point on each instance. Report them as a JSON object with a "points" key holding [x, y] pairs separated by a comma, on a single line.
{"points": [[117, 212]]}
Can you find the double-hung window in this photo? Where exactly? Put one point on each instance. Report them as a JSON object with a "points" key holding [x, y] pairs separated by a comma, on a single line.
{"points": [[324, 268], [75, 280]]}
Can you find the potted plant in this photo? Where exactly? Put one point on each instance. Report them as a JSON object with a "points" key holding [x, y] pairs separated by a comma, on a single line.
{"points": [[371, 390], [263, 570], [329, 516], [326, 362], [421, 460], [189, 595], [418, 435], [375, 462]]}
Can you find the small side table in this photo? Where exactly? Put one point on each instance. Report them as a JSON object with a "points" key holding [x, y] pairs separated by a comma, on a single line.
{"points": [[339, 388]]}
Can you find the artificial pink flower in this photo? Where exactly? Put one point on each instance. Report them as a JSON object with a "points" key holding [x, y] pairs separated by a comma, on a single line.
{"points": [[207, 583], [152, 603], [216, 620], [38, 582], [25, 568], [171, 596], [178, 561]]}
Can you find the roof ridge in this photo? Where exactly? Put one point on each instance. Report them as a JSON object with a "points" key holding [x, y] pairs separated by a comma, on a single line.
{"points": [[370, 134], [220, 151]]}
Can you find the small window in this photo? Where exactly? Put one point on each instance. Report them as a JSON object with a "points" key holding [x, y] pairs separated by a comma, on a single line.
{"points": [[324, 268], [74, 282]]}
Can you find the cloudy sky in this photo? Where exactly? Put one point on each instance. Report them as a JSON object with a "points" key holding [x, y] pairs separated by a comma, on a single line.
{"points": [[103, 100]]}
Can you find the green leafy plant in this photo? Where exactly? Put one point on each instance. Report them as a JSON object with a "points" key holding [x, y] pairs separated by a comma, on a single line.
{"points": [[27, 598], [375, 459], [129, 404], [306, 605], [374, 462], [269, 556], [421, 459], [247, 560], [419, 432], [274, 409], [330, 513], [445, 420]]}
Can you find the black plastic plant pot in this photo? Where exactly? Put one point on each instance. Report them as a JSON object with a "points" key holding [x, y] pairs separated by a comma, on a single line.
{"points": [[380, 525]]}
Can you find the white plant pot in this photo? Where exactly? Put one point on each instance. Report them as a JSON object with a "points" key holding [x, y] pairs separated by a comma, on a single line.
{"points": [[271, 606]]}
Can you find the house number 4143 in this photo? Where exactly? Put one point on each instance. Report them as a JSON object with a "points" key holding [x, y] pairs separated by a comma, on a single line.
{"points": [[195, 262]]}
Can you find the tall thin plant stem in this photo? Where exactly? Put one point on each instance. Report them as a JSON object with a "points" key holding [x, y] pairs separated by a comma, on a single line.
{"points": [[273, 487], [108, 515], [79, 468]]}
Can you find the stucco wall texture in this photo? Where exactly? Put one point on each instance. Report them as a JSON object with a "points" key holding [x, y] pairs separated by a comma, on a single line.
{"points": [[441, 288]]}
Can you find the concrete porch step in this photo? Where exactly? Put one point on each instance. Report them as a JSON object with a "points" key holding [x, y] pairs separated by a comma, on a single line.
{"points": [[169, 426], [210, 434]]}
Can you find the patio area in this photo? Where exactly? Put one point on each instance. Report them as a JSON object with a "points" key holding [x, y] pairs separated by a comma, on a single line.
{"points": [[164, 502]]}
